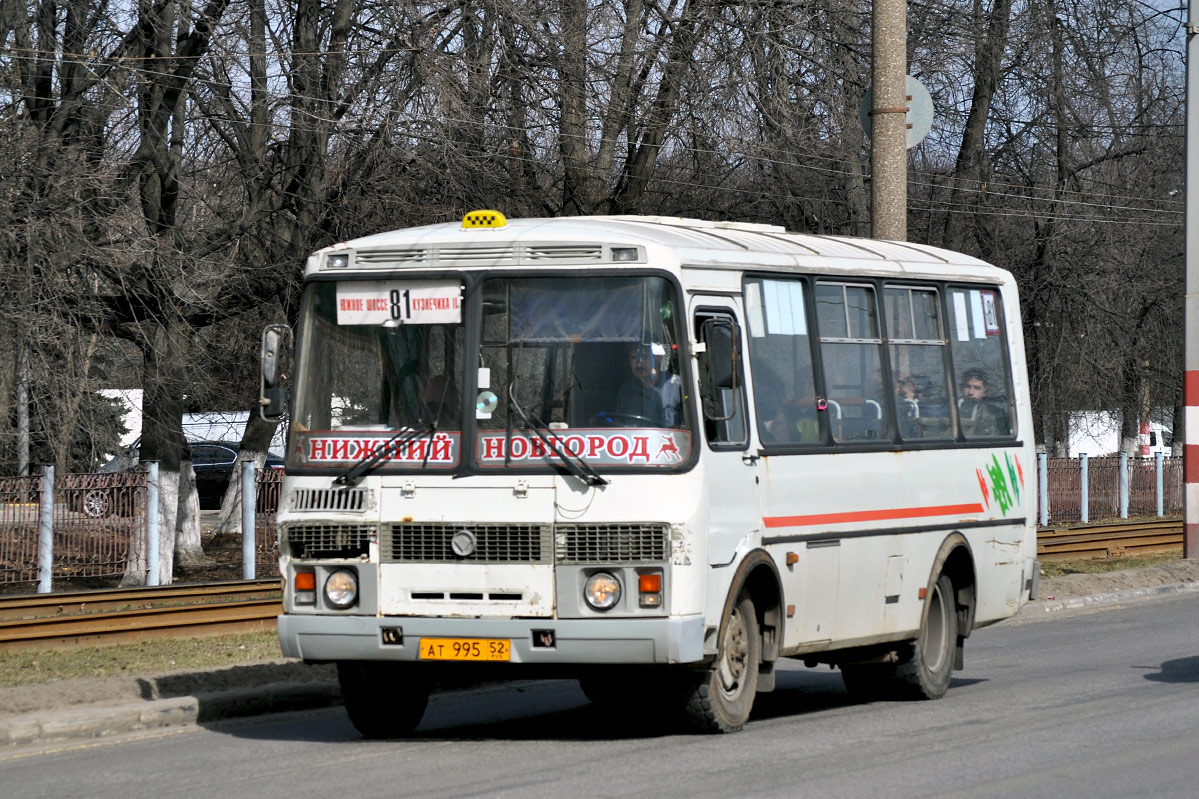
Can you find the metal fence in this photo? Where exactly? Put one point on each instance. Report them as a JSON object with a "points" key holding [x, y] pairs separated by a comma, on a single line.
{"points": [[1113, 487], [95, 517], [266, 537], [92, 523]]}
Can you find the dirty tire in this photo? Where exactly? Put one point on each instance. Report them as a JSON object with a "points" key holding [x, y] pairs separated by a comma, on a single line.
{"points": [[720, 698], [926, 671], [383, 700], [924, 666]]}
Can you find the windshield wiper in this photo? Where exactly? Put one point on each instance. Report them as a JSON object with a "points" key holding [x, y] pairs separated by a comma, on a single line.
{"points": [[353, 474], [431, 429], [578, 467]]}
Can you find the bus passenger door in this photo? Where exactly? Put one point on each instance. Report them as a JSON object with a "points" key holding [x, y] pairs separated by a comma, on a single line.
{"points": [[729, 475]]}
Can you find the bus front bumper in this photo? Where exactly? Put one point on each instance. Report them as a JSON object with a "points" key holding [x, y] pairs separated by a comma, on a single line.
{"points": [[571, 641]]}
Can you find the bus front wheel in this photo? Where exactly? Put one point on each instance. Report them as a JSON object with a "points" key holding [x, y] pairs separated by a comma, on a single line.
{"points": [[723, 695], [383, 700]]}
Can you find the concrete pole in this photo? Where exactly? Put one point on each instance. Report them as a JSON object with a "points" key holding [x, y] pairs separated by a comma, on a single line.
{"points": [[1123, 482], [249, 532], [888, 123], [45, 534], [1160, 494], [1190, 456], [1084, 490], [1043, 485]]}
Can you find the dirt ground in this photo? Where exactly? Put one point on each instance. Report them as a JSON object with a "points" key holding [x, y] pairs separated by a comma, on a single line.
{"points": [[61, 694], [1076, 585]]}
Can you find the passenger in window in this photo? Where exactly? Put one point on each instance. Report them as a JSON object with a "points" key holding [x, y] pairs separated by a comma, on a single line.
{"points": [[651, 396], [982, 414], [907, 404], [775, 429], [785, 420]]}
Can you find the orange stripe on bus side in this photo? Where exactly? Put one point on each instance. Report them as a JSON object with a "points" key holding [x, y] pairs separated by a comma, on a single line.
{"points": [[872, 515]]}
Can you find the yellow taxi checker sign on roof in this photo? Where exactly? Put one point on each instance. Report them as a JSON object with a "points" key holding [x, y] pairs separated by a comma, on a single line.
{"points": [[484, 219]]}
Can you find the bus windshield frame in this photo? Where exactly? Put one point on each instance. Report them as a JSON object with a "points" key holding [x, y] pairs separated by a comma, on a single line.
{"points": [[562, 372]]}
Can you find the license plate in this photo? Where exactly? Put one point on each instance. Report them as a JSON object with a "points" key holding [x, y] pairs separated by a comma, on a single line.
{"points": [[465, 649]]}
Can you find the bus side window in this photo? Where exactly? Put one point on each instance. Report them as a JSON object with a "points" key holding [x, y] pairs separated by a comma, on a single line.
{"points": [[780, 348], [850, 347], [721, 392], [980, 363], [916, 347]]}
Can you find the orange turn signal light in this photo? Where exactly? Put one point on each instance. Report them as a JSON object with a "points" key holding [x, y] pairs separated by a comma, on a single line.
{"points": [[305, 581], [649, 583]]}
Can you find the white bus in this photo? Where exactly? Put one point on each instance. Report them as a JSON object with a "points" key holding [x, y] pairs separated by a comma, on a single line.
{"points": [[656, 455]]}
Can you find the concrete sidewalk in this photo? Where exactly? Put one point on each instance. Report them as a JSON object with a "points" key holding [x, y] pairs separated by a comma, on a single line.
{"points": [[88, 722]]}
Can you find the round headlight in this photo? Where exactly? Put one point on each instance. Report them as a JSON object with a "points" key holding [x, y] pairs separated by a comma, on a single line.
{"points": [[602, 591], [341, 588]]}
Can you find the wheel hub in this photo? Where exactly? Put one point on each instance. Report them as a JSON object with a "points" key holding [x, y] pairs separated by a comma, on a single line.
{"points": [[734, 654]]}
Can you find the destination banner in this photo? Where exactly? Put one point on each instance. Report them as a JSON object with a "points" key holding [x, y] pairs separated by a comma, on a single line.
{"points": [[441, 450], [599, 447]]}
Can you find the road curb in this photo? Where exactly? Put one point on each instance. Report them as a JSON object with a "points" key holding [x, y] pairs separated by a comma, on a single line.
{"points": [[91, 722], [1051, 605]]}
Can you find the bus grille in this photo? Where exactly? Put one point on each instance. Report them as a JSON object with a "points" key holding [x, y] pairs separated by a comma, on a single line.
{"points": [[527, 543], [612, 543], [493, 543], [328, 540], [326, 499]]}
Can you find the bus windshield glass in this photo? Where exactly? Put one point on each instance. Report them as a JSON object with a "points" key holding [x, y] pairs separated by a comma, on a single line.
{"points": [[580, 369], [592, 363], [383, 356]]}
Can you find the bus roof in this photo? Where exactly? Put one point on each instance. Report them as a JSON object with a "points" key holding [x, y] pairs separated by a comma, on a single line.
{"points": [[588, 240]]}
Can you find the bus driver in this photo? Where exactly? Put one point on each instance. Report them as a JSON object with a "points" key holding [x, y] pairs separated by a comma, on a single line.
{"points": [[651, 396]]}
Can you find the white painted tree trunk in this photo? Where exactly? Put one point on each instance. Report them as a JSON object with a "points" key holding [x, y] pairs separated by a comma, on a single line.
{"points": [[188, 547], [168, 515]]}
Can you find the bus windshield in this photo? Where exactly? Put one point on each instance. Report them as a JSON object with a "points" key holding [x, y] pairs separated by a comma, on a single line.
{"points": [[593, 363], [569, 367], [368, 364]]}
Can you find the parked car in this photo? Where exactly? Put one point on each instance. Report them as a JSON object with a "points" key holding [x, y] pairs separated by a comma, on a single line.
{"points": [[213, 464]]}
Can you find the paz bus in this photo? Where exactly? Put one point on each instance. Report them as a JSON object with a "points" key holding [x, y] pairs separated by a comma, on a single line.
{"points": [[656, 455]]}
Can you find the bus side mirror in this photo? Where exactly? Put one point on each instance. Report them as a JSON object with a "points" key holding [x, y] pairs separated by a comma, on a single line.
{"points": [[718, 369], [276, 352], [721, 363]]}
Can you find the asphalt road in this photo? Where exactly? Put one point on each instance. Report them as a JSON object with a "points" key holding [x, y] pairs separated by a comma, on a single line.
{"points": [[1094, 703]]}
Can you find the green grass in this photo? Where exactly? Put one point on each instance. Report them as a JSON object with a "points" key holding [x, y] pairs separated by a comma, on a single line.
{"points": [[28, 667], [1059, 568]]}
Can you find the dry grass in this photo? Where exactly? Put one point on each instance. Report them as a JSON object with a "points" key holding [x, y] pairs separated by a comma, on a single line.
{"points": [[28, 667], [1059, 568]]}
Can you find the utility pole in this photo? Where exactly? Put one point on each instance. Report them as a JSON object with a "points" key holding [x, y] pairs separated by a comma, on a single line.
{"points": [[1190, 455], [888, 119]]}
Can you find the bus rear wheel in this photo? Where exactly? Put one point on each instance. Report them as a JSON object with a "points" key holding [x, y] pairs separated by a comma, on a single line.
{"points": [[924, 666], [721, 698], [383, 700], [928, 667]]}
